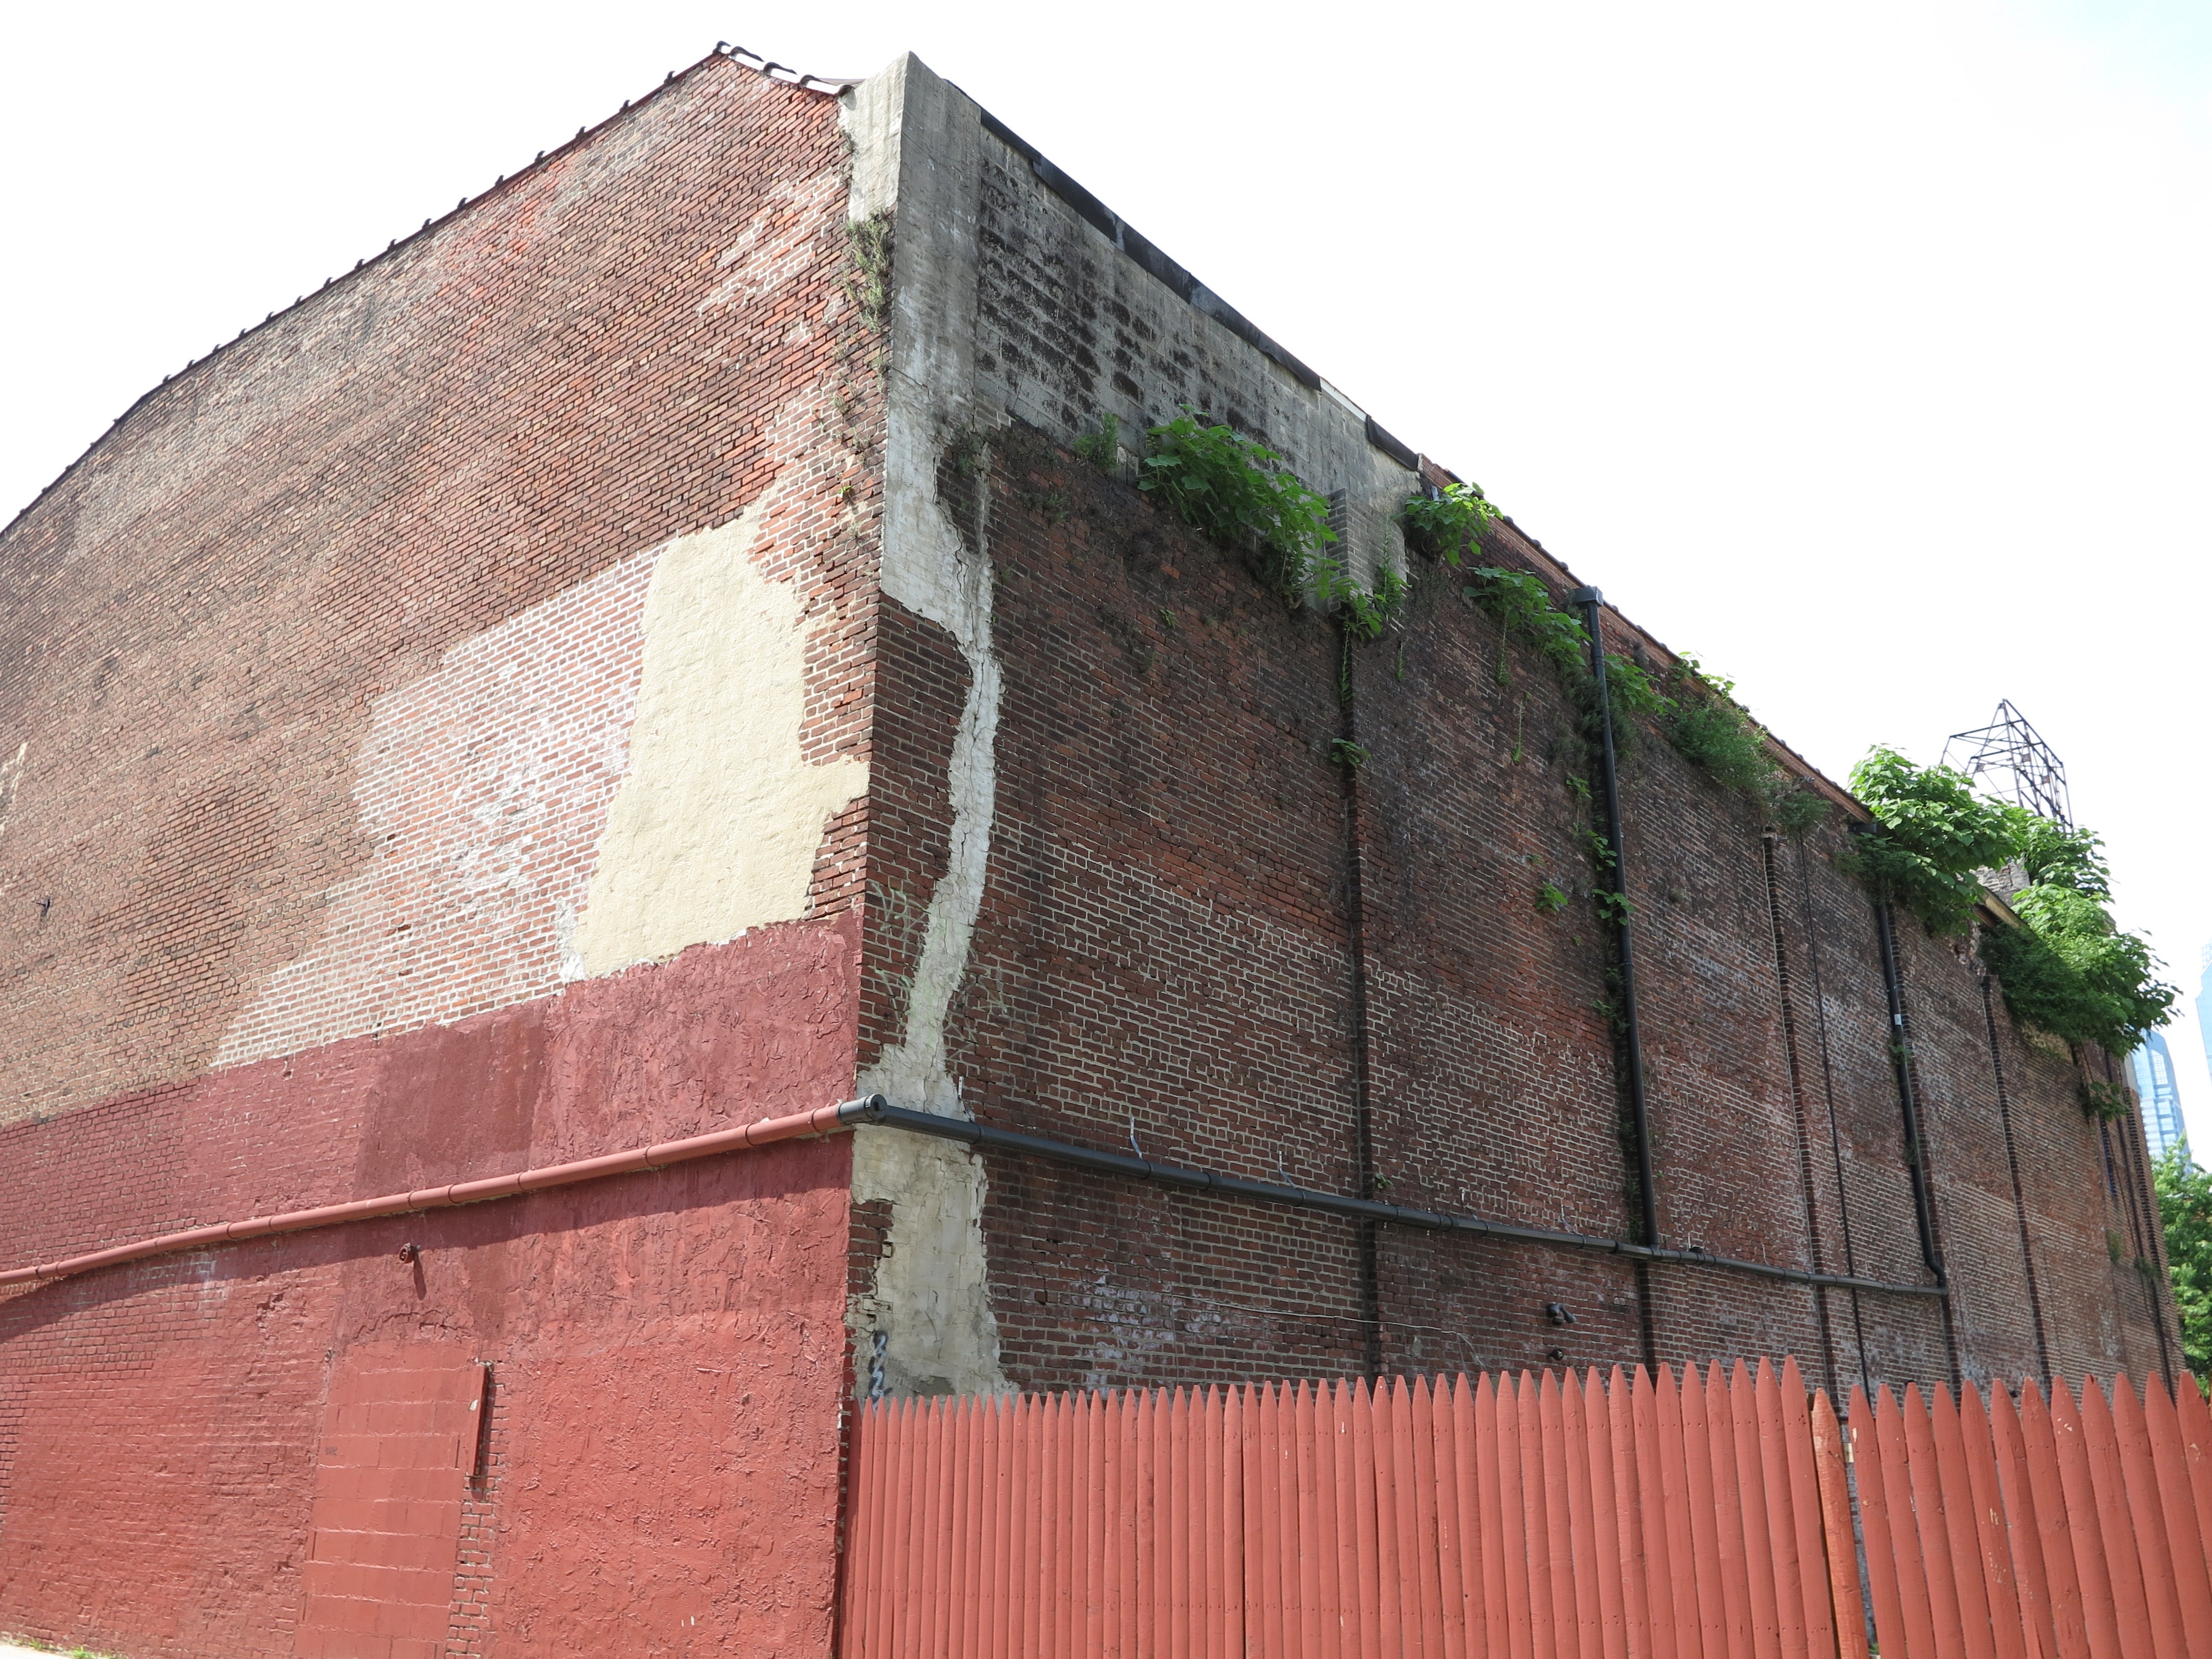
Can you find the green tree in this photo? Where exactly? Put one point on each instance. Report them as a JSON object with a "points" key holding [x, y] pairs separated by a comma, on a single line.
{"points": [[1935, 834], [2185, 1205]]}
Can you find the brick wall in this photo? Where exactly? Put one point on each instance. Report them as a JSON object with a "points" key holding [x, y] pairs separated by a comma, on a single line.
{"points": [[303, 575], [1167, 951], [1200, 939], [323, 667]]}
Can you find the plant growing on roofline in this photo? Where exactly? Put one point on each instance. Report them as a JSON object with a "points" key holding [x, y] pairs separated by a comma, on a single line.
{"points": [[1241, 495], [1446, 523], [2069, 969], [1695, 711], [1935, 836]]}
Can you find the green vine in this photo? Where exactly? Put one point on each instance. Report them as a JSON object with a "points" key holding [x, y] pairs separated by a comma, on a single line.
{"points": [[2072, 973], [868, 284], [2107, 1101], [1366, 615], [2069, 971], [1102, 448], [1935, 834], [1239, 494], [1449, 523], [1524, 611]]}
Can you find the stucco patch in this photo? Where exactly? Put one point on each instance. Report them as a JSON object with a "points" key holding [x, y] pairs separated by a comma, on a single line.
{"points": [[929, 1323], [715, 828]]}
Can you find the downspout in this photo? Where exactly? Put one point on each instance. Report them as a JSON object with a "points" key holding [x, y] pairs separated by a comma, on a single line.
{"points": [[1908, 1103], [2019, 1192], [1786, 999], [1366, 1245], [1647, 1192], [1590, 600]]}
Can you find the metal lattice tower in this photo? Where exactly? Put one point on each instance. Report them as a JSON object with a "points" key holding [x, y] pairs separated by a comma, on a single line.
{"points": [[2009, 758]]}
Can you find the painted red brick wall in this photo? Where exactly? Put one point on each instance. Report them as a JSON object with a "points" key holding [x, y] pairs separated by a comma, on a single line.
{"points": [[321, 666]]}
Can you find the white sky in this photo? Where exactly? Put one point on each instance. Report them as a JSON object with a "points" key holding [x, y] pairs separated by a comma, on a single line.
{"points": [[1866, 353]]}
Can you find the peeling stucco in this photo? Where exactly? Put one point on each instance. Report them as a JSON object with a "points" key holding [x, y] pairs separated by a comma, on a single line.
{"points": [[928, 1325]]}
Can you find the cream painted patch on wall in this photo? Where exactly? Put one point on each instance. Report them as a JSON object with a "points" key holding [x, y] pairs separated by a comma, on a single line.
{"points": [[715, 828]]}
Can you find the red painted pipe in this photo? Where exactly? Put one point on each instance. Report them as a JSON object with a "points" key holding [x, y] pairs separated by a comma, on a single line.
{"points": [[824, 1120]]}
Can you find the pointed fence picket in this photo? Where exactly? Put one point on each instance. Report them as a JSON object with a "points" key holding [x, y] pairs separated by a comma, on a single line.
{"points": [[1573, 1516]]}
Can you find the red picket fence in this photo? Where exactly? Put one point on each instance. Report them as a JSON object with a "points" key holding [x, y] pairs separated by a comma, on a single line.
{"points": [[1562, 1517]]}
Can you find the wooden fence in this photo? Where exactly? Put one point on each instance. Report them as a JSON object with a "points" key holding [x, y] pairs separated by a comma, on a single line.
{"points": [[1562, 1517]]}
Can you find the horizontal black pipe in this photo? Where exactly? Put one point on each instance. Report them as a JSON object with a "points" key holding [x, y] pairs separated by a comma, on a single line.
{"points": [[878, 1111]]}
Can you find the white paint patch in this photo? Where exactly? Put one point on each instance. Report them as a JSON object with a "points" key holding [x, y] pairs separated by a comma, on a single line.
{"points": [[483, 788], [11, 776], [607, 777], [777, 243], [715, 828]]}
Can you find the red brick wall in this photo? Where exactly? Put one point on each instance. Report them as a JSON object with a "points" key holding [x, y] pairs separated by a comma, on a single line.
{"points": [[202, 624], [323, 662], [1166, 950], [665, 1346]]}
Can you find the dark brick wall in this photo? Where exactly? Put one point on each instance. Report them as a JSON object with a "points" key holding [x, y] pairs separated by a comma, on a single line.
{"points": [[1167, 949]]}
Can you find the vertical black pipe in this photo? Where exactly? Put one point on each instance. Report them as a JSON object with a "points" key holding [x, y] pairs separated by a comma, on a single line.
{"points": [[1900, 1061], [2018, 1191], [1588, 600], [1916, 1143], [1365, 1243]]}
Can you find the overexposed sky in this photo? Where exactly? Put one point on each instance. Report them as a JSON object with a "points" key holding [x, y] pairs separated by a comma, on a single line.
{"points": [[1865, 351]]}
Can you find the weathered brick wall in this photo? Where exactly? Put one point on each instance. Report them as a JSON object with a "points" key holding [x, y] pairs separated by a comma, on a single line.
{"points": [[326, 669], [1166, 951], [1199, 938], [275, 596]]}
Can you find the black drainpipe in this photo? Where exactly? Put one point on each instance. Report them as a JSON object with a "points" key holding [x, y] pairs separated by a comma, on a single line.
{"points": [[1908, 1102], [2012, 1163], [1588, 601], [1366, 1244]]}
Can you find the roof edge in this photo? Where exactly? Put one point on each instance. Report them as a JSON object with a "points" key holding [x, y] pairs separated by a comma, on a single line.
{"points": [[818, 86]]}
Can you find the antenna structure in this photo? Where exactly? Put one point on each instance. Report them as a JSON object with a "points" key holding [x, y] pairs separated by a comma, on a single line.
{"points": [[2009, 757]]}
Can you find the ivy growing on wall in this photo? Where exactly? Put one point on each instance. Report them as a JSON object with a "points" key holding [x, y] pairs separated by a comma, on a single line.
{"points": [[2072, 973], [2070, 970], [1241, 495], [1449, 524], [1707, 728], [1695, 711]]}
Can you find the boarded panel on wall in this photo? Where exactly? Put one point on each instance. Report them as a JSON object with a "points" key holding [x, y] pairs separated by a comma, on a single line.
{"points": [[398, 1446]]}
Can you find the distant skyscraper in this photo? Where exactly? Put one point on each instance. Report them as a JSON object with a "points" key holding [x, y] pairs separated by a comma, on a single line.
{"points": [[2153, 1065], [2204, 1005]]}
